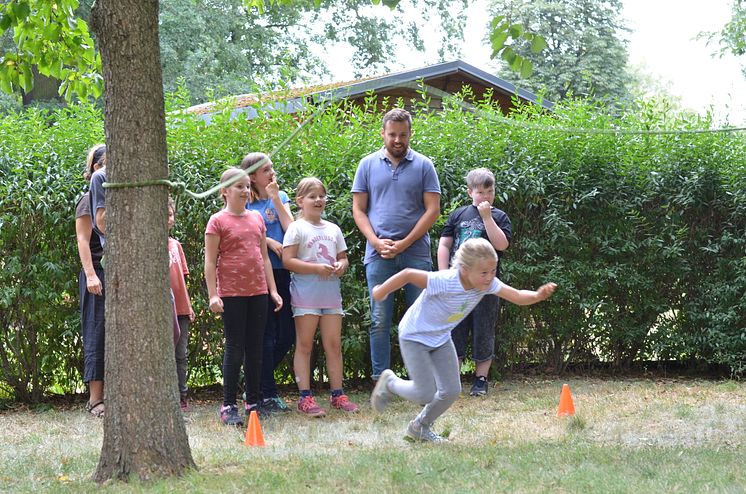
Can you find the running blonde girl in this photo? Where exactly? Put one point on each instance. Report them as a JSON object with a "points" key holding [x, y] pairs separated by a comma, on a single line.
{"points": [[425, 330]]}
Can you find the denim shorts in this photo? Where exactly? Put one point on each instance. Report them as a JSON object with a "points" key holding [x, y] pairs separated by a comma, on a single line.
{"points": [[305, 311]]}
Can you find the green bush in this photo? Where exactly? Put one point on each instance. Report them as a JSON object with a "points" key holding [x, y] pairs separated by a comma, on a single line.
{"points": [[644, 233]]}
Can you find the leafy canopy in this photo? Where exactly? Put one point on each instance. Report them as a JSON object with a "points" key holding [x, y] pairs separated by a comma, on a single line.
{"points": [[48, 35], [240, 42], [585, 54]]}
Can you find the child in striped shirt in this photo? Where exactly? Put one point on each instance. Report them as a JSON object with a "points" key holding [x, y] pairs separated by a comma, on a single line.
{"points": [[425, 330]]}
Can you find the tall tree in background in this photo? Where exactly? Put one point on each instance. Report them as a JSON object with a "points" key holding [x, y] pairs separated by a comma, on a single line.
{"points": [[224, 48], [585, 56], [217, 49], [732, 38]]}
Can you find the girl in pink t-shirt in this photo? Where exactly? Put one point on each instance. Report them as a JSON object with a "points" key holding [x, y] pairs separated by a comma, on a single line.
{"points": [[239, 280], [177, 271]]}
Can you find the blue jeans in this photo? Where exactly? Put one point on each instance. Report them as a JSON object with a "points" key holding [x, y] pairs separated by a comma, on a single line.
{"points": [[376, 272]]}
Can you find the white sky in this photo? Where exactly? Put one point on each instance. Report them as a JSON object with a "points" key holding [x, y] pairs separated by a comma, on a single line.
{"points": [[663, 42]]}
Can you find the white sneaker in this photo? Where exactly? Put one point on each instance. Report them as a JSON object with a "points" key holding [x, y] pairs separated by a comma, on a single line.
{"points": [[381, 395], [417, 432]]}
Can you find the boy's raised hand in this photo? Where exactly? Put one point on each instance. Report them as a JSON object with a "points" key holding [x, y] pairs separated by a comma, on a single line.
{"points": [[485, 209]]}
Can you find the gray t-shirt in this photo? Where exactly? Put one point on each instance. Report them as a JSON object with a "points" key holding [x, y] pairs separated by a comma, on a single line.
{"points": [[98, 198], [395, 197], [83, 208]]}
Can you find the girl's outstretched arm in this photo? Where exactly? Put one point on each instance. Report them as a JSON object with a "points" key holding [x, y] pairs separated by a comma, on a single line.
{"points": [[526, 297], [416, 277]]}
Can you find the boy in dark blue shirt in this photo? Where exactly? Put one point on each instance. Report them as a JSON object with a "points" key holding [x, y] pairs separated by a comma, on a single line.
{"points": [[479, 219]]}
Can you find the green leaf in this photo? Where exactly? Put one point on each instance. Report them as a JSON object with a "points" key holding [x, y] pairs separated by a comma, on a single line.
{"points": [[498, 40], [538, 43], [496, 20], [26, 81], [52, 32], [82, 90], [5, 22], [516, 63], [257, 4], [526, 68], [21, 10], [508, 55], [516, 30]]}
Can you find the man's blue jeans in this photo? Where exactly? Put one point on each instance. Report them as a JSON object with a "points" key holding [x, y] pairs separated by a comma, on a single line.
{"points": [[376, 272]]}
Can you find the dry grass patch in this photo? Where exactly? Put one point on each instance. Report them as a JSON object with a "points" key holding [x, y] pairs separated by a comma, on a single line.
{"points": [[512, 434]]}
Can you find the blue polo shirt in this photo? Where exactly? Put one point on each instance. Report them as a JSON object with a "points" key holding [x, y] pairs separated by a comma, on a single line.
{"points": [[395, 197]]}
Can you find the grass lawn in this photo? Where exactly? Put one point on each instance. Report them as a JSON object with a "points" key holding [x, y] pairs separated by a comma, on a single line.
{"points": [[630, 435]]}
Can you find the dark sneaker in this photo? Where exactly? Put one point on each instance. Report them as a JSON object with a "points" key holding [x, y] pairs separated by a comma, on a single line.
{"points": [[261, 411], [420, 433], [280, 404], [342, 402], [480, 386], [270, 407], [184, 403], [380, 397], [307, 406], [229, 415]]}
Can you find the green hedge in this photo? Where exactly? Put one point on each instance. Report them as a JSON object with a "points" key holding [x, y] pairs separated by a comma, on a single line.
{"points": [[644, 233]]}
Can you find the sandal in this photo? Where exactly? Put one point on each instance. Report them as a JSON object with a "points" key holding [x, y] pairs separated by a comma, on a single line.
{"points": [[95, 409]]}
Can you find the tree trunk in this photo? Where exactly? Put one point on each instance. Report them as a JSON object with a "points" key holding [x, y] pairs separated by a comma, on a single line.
{"points": [[144, 431]]}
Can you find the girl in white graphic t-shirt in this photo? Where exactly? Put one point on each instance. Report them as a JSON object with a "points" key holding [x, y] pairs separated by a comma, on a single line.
{"points": [[315, 252], [425, 330]]}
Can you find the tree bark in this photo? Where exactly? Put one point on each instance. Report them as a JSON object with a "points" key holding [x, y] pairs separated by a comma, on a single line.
{"points": [[144, 431]]}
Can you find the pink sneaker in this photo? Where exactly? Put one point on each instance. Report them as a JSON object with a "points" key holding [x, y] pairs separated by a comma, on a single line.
{"points": [[307, 405], [342, 402]]}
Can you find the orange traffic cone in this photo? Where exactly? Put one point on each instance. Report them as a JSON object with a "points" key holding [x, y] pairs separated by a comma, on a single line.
{"points": [[565, 405], [254, 435]]}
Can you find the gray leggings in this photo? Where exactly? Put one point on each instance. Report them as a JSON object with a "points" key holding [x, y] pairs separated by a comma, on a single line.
{"points": [[435, 379]]}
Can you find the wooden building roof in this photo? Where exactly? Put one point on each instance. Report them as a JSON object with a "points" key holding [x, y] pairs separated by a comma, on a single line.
{"points": [[438, 80]]}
